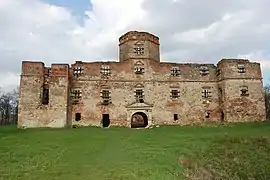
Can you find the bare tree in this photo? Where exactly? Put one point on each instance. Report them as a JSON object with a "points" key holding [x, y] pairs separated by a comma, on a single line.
{"points": [[267, 100], [8, 107]]}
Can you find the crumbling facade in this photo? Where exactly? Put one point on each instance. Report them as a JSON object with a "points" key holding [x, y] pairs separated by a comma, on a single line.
{"points": [[139, 90]]}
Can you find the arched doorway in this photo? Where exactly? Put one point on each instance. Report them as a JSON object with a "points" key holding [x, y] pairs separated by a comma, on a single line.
{"points": [[138, 120]]}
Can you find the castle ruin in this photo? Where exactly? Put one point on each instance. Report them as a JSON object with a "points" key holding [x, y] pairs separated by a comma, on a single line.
{"points": [[139, 90]]}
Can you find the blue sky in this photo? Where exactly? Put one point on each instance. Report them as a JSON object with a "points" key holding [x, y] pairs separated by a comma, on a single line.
{"points": [[77, 7]]}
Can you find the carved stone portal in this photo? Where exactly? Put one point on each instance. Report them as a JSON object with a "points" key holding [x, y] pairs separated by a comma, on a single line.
{"points": [[138, 120]]}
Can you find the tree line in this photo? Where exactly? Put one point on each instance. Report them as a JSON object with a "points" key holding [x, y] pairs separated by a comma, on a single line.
{"points": [[9, 105]]}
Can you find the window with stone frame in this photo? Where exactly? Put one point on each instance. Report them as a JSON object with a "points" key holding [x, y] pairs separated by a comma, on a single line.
{"points": [[175, 94], [175, 71], [106, 97], [204, 70], [244, 91], [139, 70], [241, 68], [76, 95], [105, 70], [139, 95], [138, 48], [206, 93], [77, 71]]}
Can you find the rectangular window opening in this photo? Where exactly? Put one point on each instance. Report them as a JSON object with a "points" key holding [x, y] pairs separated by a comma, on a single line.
{"points": [[241, 68], [106, 97], [206, 93], [45, 96], [105, 70], [77, 71], [139, 95], [139, 70], [204, 71], [175, 94], [244, 91], [76, 95], [175, 71]]}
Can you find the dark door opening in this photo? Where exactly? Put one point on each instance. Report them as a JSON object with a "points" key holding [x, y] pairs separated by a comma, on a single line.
{"points": [[139, 120], [105, 120], [77, 116], [175, 117]]}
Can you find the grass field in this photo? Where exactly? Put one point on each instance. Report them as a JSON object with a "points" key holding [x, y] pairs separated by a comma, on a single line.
{"points": [[238, 151]]}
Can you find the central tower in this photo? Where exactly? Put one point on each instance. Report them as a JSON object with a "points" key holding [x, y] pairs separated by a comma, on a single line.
{"points": [[138, 45]]}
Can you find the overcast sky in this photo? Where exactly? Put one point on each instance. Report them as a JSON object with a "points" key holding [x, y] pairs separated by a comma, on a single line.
{"points": [[190, 31]]}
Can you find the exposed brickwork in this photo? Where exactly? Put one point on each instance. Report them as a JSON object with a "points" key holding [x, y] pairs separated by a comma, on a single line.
{"points": [[84, 92]]}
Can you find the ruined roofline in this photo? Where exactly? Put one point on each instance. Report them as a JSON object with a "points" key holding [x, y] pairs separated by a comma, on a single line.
{"points": [[189, 63], [42, 62], [89, 62], [166, 62], [237, 60], [233, 60], [138, 35], [33, 61]]}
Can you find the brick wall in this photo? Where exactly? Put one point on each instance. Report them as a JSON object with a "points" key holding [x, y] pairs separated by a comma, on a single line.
{"points": [[32, 112], [76, 99]]}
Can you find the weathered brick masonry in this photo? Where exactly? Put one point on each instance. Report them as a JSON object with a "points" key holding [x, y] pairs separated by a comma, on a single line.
{"points": [[139, 90]]}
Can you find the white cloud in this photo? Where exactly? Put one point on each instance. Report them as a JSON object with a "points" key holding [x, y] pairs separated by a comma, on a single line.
{"points": [[9, 81], [189, 31]]}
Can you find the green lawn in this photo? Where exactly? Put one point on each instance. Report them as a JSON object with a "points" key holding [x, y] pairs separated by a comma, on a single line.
{"points": [[235, 151]]}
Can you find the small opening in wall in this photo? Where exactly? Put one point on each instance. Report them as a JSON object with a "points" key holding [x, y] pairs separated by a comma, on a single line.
{"points": [[45, 96], [220, 91], [244, 91], [222, 116], [77, 116], [207, 115], [175, 117]]}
